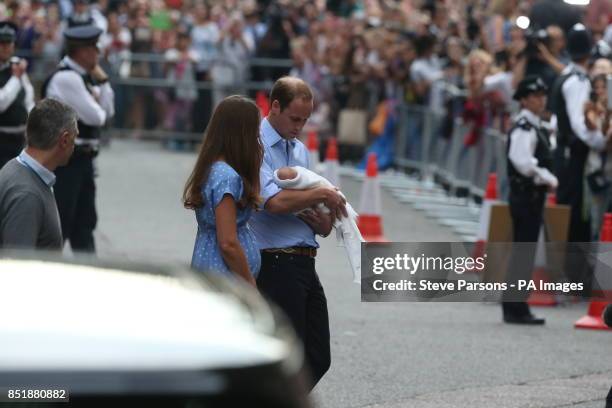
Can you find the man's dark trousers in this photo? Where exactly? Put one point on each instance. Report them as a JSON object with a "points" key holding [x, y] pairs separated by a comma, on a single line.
{"points": [[75, 193], [10, 146], [291, 282]]}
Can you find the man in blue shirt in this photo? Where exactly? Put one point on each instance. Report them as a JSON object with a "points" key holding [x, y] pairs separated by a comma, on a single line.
{"points": [[287, 241]]}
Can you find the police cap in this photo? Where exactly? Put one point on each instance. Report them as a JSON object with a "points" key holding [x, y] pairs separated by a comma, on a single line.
{"points": [[85, 35], [530, 84], [8, 32], [579, 42]]}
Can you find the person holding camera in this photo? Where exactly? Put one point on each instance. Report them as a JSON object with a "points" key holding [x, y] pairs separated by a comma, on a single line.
{"points": [[16, 95], [80, 83], [544, 53]]}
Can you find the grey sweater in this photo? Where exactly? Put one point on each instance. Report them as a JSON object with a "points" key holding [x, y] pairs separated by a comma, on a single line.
{"points": [[28, 212]]}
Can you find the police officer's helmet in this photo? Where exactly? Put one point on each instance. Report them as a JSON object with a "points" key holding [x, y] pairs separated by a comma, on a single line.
{"points": [[579, 42], [8, 32], [530, 84]]}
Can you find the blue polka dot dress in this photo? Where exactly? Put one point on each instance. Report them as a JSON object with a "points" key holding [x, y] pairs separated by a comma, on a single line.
{"points": [[222, 180]]}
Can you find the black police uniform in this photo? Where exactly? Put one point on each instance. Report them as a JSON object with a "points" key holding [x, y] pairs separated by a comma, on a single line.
{"points": [[574, 141], [526, 205], [75, 186], [572, 150], [13, 118], [569, 162]]}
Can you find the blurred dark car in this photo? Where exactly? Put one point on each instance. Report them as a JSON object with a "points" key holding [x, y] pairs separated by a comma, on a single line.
{"points": [[142, 336]]}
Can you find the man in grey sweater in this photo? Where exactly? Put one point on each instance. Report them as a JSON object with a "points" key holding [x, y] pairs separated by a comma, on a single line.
{"points": [[28, 212]]}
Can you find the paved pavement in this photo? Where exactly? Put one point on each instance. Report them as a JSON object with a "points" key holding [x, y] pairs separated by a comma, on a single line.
{"points": [[384, 355]]}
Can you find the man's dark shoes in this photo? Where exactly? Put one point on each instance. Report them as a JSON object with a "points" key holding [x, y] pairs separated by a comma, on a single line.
{"points": [[524, 319]]}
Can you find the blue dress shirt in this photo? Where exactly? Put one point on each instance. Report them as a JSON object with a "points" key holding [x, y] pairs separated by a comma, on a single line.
{"points": [[279, 230], [46, 175]]}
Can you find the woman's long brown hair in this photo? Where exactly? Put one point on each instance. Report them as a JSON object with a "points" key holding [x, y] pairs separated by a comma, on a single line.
{"points": [[233, 136]]}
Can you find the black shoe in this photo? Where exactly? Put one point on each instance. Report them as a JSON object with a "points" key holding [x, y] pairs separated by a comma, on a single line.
{"points": [[524, 319]]}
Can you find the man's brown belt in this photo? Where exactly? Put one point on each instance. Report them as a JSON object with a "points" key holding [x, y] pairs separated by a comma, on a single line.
{"points": [[303, 251]]}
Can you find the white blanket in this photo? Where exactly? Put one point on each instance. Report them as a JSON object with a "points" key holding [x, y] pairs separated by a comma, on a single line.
{"points": [[347, 233]]}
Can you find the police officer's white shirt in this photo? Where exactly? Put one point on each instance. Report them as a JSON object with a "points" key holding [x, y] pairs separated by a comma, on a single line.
{"points": [[576, 91], [11, 89], [68, 87], [522, 149]]}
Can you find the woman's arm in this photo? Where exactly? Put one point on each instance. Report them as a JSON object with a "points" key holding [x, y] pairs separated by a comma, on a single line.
{"points": [[227, 237]]}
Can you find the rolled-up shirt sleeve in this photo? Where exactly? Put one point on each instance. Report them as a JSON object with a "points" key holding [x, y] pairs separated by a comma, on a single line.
{"points": [[576, 92], [268, 187]]}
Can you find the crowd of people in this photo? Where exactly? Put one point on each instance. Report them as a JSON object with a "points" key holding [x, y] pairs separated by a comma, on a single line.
{"points": [[356, 54]]}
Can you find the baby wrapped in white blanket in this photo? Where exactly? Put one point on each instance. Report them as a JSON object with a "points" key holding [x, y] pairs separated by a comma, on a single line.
{"points": [[347, 233]]}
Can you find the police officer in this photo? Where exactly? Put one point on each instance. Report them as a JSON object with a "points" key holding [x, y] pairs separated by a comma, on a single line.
{"points": [[529, 172], [80, 83], [16, 95], [569, 95]]}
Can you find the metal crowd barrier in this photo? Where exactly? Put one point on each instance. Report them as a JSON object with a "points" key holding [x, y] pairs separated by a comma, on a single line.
{"points": [[143, 104], [422, 146]]}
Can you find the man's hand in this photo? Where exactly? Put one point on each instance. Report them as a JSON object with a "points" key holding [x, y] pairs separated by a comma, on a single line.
{"points": [[98, 74], [335, 202], [19, 68], [320, 222]]}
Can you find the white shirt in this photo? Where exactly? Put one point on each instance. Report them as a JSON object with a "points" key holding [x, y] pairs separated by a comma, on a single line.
{"points": [[204, 39], [11, 89], [234, 53], [502, 82], [426, 69], [576, 91], [522, 149], [93, 109]]}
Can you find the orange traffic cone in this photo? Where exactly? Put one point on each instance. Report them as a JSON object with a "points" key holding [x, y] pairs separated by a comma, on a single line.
{"points": [[485, 216], [312, 143], [593, 319], [541, 297], [332, 170], [370, 219], [261, 100]]}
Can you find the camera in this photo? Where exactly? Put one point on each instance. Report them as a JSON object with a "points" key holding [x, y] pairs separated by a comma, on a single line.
{"points": [[533, 38]]}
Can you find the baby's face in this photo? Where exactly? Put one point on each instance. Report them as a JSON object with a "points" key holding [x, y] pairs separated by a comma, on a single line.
{"points": [[286, 173]]}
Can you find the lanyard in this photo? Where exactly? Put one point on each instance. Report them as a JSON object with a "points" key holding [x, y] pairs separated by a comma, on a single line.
{"points": [[34, 171]]}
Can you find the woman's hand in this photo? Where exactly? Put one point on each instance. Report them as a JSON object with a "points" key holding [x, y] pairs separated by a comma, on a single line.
{"points": [[227, 238]]}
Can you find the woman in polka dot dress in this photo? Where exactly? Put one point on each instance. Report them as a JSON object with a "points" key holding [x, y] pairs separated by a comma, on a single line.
{"points": [[223, 189]]}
